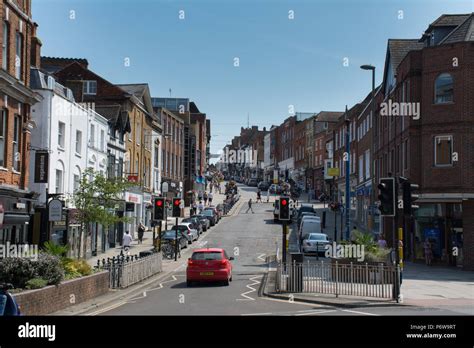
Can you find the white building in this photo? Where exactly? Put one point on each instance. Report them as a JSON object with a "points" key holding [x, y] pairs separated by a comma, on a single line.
{"points": [[62, 130]]}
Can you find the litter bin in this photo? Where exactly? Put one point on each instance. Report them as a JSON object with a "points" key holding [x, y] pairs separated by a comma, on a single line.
{"points": [[295, 273]]}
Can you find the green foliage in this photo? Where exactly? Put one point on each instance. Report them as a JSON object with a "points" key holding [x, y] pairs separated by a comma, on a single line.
{"points": [[49, 268], [76, 268], [96, 198], [373, 253], [17, 271], [36, 283], [54, 249]]}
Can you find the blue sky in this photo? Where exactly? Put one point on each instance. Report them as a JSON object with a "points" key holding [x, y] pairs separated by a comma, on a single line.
{"points": [[282, 61]]}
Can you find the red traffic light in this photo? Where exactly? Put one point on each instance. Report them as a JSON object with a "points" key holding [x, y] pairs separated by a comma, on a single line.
{"points": [[284, 202], [159, 202], [177, 202]]}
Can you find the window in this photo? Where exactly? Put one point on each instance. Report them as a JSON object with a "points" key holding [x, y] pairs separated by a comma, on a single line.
{"points": [[120, 168], [102, 140], [5, 41], [444, 89], [138, 133], [367, 164], [361, 168], [16, 143], [89, 87], [59, 181], [18, 56], [3, 134], [111, 166], [443, 150], [78, 142], [76, 182], [92, 136]]}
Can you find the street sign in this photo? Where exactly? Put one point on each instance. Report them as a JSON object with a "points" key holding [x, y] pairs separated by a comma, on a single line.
{"points": [[333, 172], [164, 187], [55, 209], [41, 166]]}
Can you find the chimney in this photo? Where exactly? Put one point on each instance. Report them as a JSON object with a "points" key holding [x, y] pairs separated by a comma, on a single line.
{"points": [[36, 44]]}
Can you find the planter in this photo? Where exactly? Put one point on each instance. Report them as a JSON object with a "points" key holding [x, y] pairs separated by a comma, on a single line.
{"points": [[54, 298]]}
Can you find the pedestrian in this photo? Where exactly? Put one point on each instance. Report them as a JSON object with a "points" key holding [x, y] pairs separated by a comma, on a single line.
{"points": [[126, 242], [268, 195], [205, 198], [259, 195], [141, 232], [381, 242], [250, 206], [200, 207], [428, 251], [209, 197], [194, 208], [354, 234], [200, 196]]}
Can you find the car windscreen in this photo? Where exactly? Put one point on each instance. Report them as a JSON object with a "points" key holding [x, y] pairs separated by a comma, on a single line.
{"points": [[171, 234], [207, 256], [317, 237], [208, 212]]}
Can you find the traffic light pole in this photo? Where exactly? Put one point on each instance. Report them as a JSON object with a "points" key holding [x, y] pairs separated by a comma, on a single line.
{"points": [[283, 257], [176, 242]]}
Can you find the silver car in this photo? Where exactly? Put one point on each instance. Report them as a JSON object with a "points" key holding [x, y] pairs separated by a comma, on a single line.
{"points": [[190, 233], [315, 243]]}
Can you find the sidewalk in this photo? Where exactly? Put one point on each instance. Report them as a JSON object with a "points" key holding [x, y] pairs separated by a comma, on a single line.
{"points": [[147, 244]]}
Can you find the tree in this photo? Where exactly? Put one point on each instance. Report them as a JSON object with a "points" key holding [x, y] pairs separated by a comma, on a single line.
{"points": [[96, 199]]}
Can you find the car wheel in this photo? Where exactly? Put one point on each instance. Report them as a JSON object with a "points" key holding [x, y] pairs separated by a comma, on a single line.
{"points": [[227, 282]]}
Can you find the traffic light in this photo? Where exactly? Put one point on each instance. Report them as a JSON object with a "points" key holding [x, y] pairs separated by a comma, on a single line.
{"points": [[387, 196], [284, 208], [176, 207], [409, 197], [159, 209]]}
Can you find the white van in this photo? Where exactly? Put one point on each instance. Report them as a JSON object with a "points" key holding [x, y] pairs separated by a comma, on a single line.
{"points": [[309, 226]]}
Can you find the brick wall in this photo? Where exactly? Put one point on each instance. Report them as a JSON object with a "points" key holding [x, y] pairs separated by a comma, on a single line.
{"points": [[54, 298]]}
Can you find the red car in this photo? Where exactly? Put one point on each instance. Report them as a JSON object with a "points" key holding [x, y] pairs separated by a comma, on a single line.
{"points": [[208, 265]]}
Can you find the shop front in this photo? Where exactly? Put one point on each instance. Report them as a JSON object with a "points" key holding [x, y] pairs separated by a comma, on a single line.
{"points": [[133, 211], [440, 224], [15, 208]]}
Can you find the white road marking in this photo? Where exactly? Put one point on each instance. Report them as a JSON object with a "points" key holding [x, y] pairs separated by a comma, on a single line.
{"points": [[260, 257], [106, 309], [357, 312], [315, 312], [248, 298]]}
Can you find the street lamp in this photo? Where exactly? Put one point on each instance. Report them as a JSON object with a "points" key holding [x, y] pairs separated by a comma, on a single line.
{"points": [[374, 128]]}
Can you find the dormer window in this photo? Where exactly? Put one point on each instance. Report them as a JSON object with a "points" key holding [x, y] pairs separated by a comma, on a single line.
{"points": [[90, 87]]}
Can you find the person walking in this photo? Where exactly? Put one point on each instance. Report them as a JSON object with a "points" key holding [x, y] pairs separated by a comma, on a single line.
{"points": [[381, 242], [205, 198], [428, 251], [126, 242], [250, 207], [259, 195], [200, 207], [200, 196], [194, 208], [209, 197], [141, 232]]}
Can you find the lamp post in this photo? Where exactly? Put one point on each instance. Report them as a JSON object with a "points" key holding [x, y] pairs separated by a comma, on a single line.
{"points": [[348, 173], [374, 128]]}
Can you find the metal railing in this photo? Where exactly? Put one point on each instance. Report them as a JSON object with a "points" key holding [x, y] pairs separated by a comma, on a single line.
{"points": [[128, 270], [337, 278]]}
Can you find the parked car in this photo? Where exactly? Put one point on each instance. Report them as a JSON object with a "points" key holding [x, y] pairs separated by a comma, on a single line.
{"points": [[206, 224], [214, 208], [195, 223], [211, 264], [315, 243], [274, 188], [309, 226], [306, 213], [305, 208], [8, 305], [211, 215], [191, 233], [170, 235], [263, 185], [220, 210], [252, 182]]}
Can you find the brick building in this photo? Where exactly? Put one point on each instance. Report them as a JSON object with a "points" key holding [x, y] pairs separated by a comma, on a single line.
{"points": [[20, 50], [433, 148]]}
